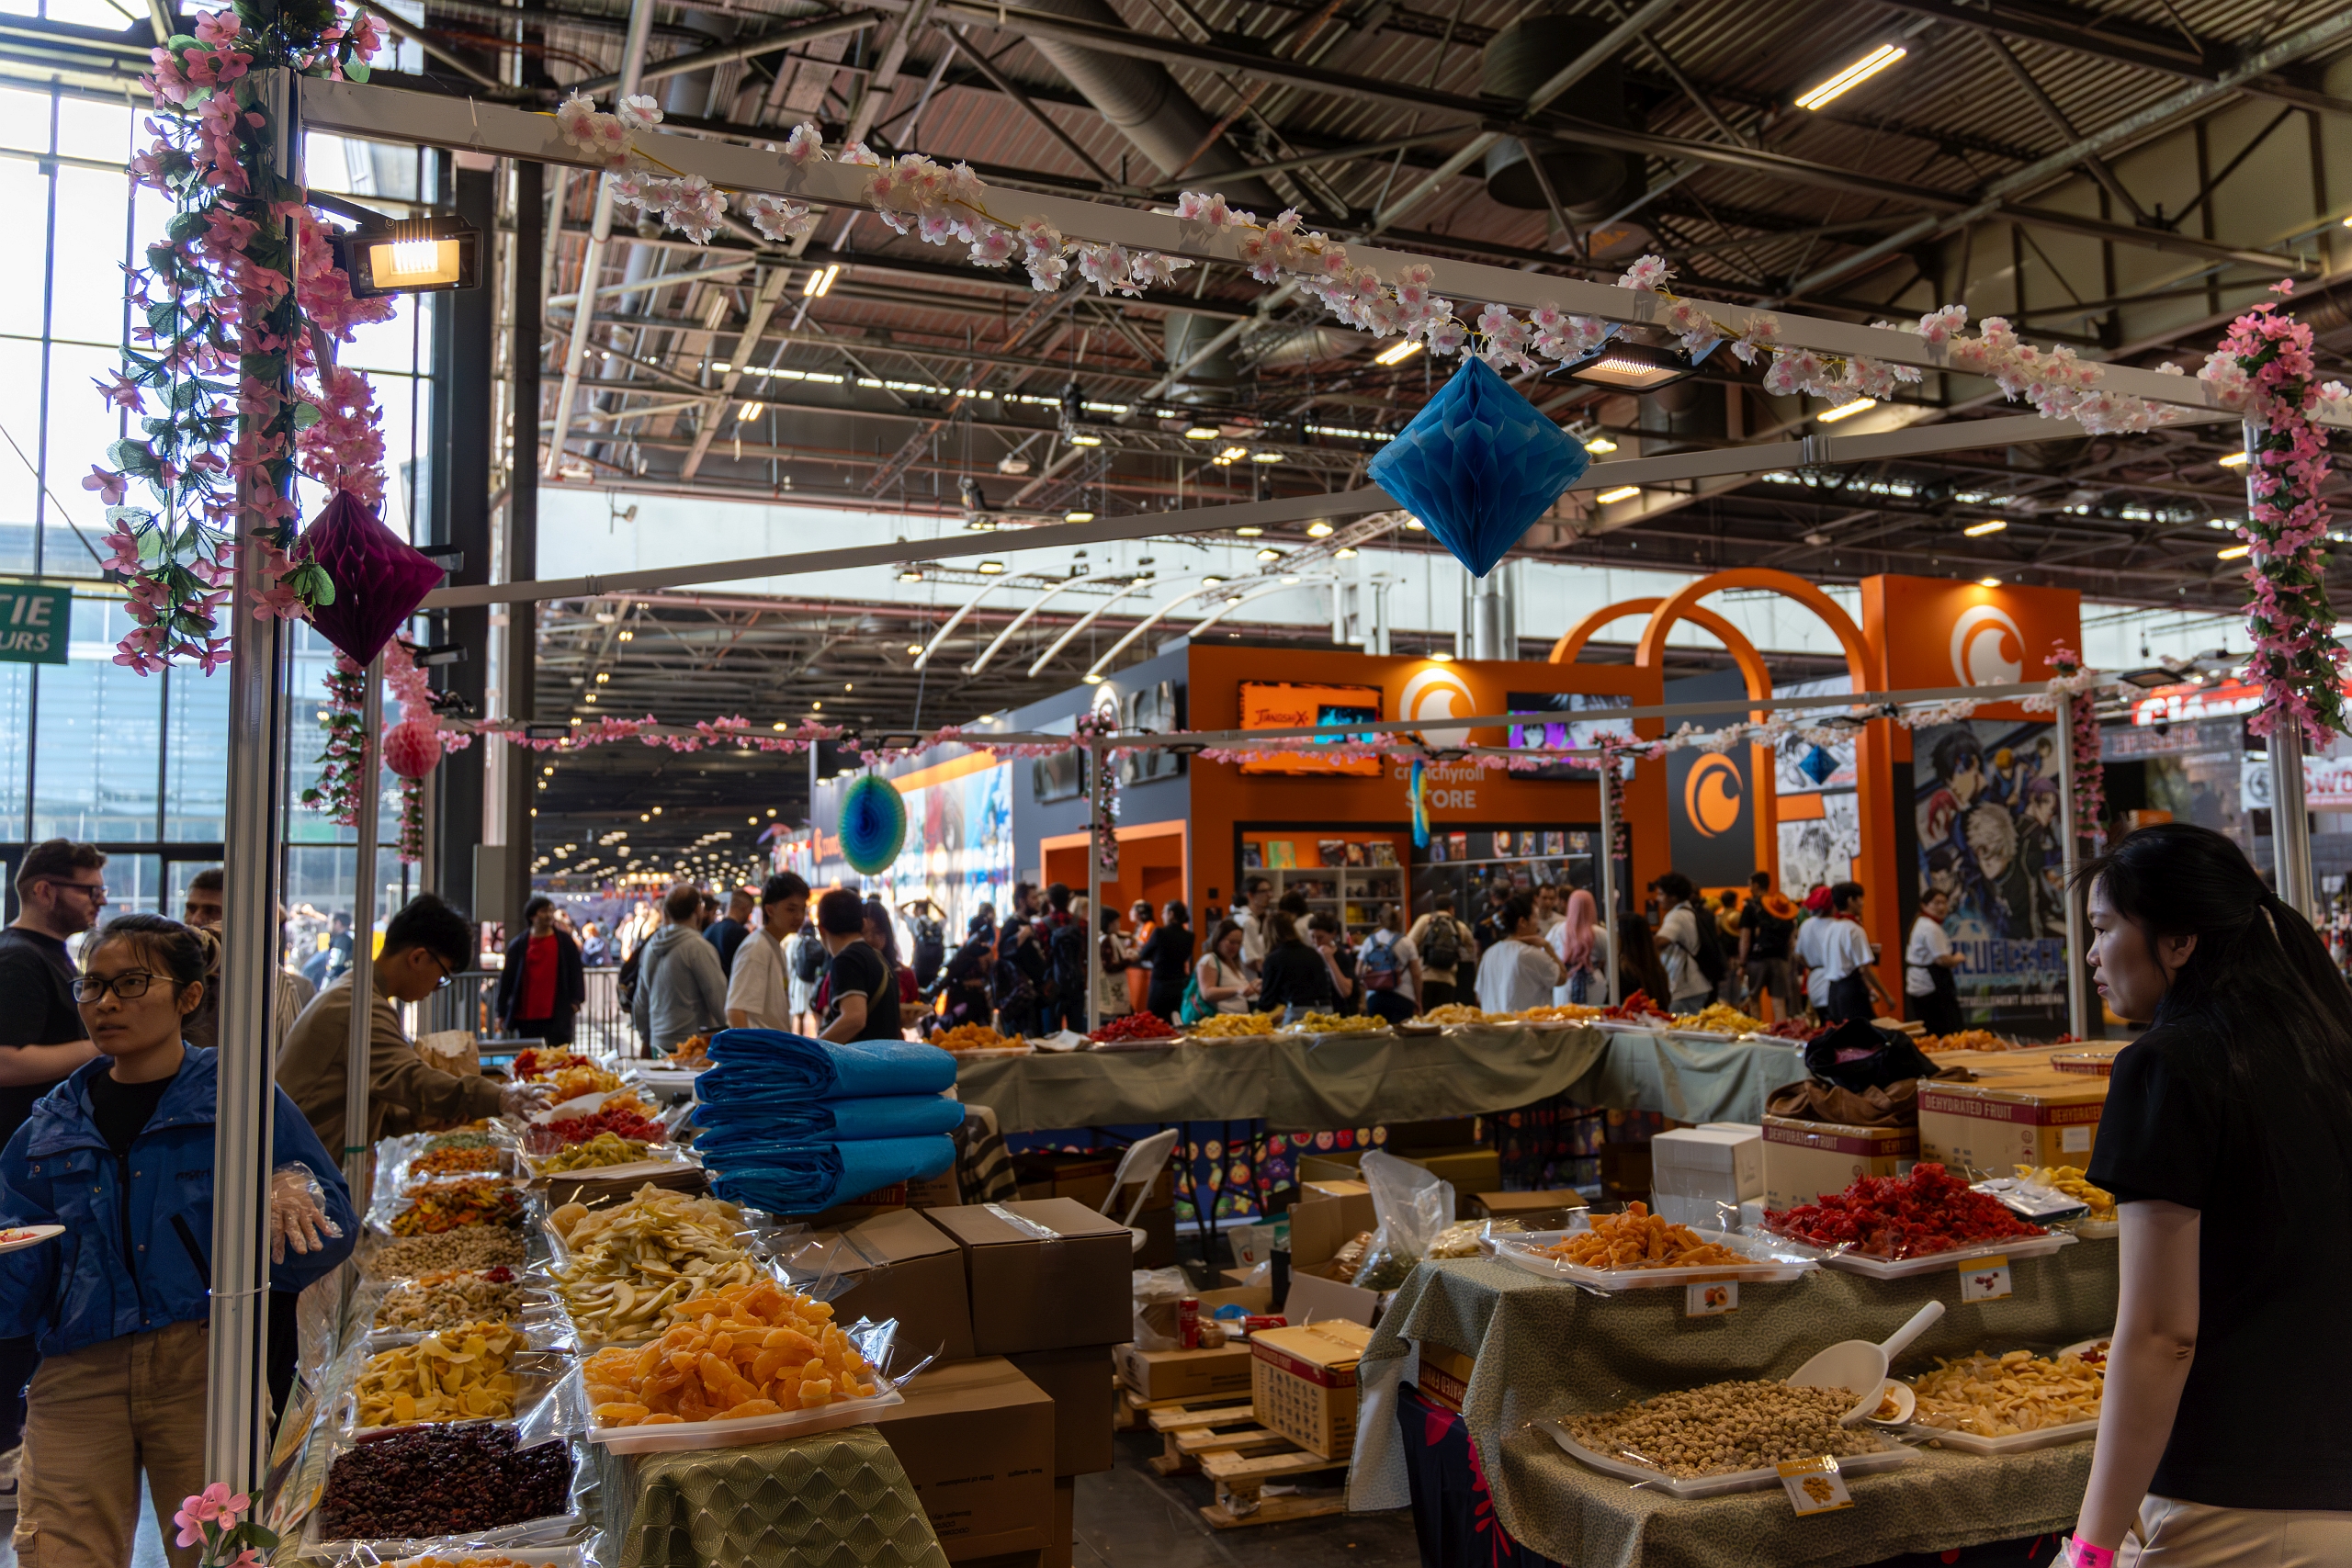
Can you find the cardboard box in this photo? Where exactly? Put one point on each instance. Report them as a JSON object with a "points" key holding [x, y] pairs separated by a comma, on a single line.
{"points": [[1086, 1179], [1990, 1127], [900, 1266], [1079, 1382], [1520, 1206], [976, 1439], [1468, 1170], [1444, 1377], [1302, 1385], [1042, 1276], [1696, 1175], [1328, 1217], [1314, 1299], [1804, 1160], [935, 1191], [1340, 1165], [1065, 1542], [1184, 1374]]}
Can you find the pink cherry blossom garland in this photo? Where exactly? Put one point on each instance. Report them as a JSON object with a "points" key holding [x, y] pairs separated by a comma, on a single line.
{"points": [[2264, 367], [2083, 745], [337, 790], [221, 305]]}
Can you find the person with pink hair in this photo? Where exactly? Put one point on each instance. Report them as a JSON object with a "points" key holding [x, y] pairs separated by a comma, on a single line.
{"points": [[1582, 944]]}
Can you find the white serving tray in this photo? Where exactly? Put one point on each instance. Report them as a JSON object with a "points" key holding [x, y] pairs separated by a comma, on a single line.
{"points": [[2015, 1443], [1933, 1262], [1714, 1486], [672, 1436], [1773, 1260]]}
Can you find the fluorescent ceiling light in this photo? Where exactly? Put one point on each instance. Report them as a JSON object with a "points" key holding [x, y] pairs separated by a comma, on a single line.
{"points": [[2234, 551], [1249, 533], [1622, 492], [751, 411], [1265, 455], [1853, 76], [1084, 438], [2236, 459], [991, 568], [1846, 410], [1269, 553], [1404, 348], [1318, 529], [1990, 525], [1345, 552], [820, 283], [1231, 453], [1092, 679], [1202, 433], [1212, 581], [1081, 516]]}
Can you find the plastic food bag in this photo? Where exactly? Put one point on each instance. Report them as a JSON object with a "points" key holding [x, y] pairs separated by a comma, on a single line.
{"points": [[1412, 1206], [298, 1213], [1157, 1293]]}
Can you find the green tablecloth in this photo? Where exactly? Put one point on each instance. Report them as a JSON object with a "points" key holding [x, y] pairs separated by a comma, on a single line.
{"points": [[1546, 1350], [830, 1500], [1312, 1085]]}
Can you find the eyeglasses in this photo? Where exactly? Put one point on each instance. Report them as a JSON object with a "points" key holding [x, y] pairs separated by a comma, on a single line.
{"points": [[130, 985], [96, 890], [447, 974]]}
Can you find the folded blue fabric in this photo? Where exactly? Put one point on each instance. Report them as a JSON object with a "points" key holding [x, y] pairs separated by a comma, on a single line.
{"points": [[805, 1177], [768, 1063], [734, 1126]]}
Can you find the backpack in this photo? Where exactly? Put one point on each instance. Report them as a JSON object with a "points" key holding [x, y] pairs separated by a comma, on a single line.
{"points": [[1442, 947], [1377, 968], [1069, 959], [1709, 954], [1771, 935], [808, 958], [931, 951]]}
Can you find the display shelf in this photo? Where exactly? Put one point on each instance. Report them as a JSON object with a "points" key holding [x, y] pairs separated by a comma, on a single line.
{"points": [[1354, 892]]}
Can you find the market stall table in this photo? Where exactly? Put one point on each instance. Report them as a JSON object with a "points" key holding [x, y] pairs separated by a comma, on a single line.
{"points": [[1545, 1351], [1312, 1083]]}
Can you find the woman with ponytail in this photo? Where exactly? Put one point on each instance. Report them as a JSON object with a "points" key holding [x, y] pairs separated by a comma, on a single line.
{"points": [[2227, 1140]]}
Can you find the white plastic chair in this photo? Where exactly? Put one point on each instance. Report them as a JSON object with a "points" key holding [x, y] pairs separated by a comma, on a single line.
{"points": [[1139, 1164]]}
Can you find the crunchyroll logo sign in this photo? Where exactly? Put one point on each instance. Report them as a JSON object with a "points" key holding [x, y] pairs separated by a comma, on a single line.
{"points": [[1987, 649], [1438, 692]]}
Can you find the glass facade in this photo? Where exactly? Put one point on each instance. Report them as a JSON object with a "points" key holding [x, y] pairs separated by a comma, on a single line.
{"points": [[88, 750]]}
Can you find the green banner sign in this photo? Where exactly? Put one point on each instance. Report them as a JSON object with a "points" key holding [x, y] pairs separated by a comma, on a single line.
{"points": [[34, 623]]}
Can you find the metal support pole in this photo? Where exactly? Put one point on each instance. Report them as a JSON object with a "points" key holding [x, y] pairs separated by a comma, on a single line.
{"points": [[2290, 838], [2070, 852], [370, 769], [1094, 761], [236, 1414], [1608, 873]]}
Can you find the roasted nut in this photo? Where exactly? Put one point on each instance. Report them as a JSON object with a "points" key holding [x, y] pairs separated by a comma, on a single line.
{"points": [[1726, 1426]]}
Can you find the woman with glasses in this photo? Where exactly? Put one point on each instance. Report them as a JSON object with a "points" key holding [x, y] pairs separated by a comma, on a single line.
{"points": [[424, 946], [121, 1154]]}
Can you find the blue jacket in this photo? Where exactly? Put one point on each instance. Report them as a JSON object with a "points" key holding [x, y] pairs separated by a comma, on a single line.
{"points": [[79, 1290]]}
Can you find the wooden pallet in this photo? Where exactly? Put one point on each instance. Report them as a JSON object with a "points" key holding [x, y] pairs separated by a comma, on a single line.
{"points": [[1224, 1441]]}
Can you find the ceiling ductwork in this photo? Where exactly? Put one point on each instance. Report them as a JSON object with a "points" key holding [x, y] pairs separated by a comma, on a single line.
{"points": [[1518, 61]]}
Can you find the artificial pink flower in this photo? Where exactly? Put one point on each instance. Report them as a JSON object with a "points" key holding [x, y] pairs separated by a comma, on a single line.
{"points": [[108, 486]]}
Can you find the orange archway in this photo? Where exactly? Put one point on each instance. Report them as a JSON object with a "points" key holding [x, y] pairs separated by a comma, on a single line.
{"points": [[1735, 642], [1873, 745]]}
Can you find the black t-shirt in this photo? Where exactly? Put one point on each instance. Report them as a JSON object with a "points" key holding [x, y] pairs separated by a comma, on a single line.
{"points": [[123, 1110], [1293, 974], [857, 970], [2274, 1268], [1168, 954], [1769, 936], [36, 1009]]}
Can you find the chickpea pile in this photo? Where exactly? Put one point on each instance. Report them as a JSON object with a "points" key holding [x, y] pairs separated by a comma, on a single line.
{"points": [[1726, 1426]]}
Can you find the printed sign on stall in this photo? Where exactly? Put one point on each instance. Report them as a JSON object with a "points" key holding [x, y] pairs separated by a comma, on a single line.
{"points": [[34, 623]]}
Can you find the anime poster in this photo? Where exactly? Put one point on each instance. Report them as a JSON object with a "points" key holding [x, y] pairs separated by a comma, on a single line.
{"points": [[1819, 852], [1986, 806], [958, 853]]}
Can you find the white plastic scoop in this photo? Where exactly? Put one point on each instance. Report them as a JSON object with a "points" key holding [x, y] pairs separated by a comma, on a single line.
{"points": [[1859, 1366]]}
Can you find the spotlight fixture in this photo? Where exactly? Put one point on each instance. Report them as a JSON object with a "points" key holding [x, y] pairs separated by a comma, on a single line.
{"points": [[1212, 581], [1630, 368], [1439, 656], [1345, 552], [1269, 553], [1249, 533], [1989, 583], [2237, 459], [1092, 679], [1202, 433], [1398, 351], [1599, 443], [410, 255], [1852, 76], [1622, 492], [1845, 410], [1084, 438], [1318, 529], [991, 568], [1416, 524], [820, 283], [911, 574], [1978, 530], [1078, 516], [1265, 455], [913, 647]]}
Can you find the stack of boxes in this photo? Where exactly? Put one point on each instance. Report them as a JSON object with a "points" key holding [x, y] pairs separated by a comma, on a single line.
{"points": [[1701, 1176]]}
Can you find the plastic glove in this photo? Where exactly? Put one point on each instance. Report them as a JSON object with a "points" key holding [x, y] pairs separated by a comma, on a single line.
{"points": [[521, 1099], [298, 1213]]}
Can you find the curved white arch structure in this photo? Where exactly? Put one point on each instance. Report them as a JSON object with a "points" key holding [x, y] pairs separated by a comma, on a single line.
{"points": [[1087, 620], [1151, 620], [1019, 621], [1214, 616], [956, 620]]}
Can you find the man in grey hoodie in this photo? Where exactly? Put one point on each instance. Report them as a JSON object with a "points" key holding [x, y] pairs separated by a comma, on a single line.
{"points": [[681, 990]]}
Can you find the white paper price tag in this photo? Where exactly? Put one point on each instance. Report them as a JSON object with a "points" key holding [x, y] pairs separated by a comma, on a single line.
{"points": [[1814, 1486], [1984, 1280], [1710, 1298]]}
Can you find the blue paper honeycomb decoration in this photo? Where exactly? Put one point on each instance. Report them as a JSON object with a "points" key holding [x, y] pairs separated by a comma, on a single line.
{"points": [[1477, 464], [873, 824]]}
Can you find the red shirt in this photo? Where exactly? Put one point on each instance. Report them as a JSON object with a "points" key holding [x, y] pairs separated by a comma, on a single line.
{"points": [[538, 980]]}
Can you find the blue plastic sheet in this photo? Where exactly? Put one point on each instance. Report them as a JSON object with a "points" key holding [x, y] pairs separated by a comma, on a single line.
{"points": [[736, 1128], [768, 1064], [803, 1179], [1477, 464]]}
